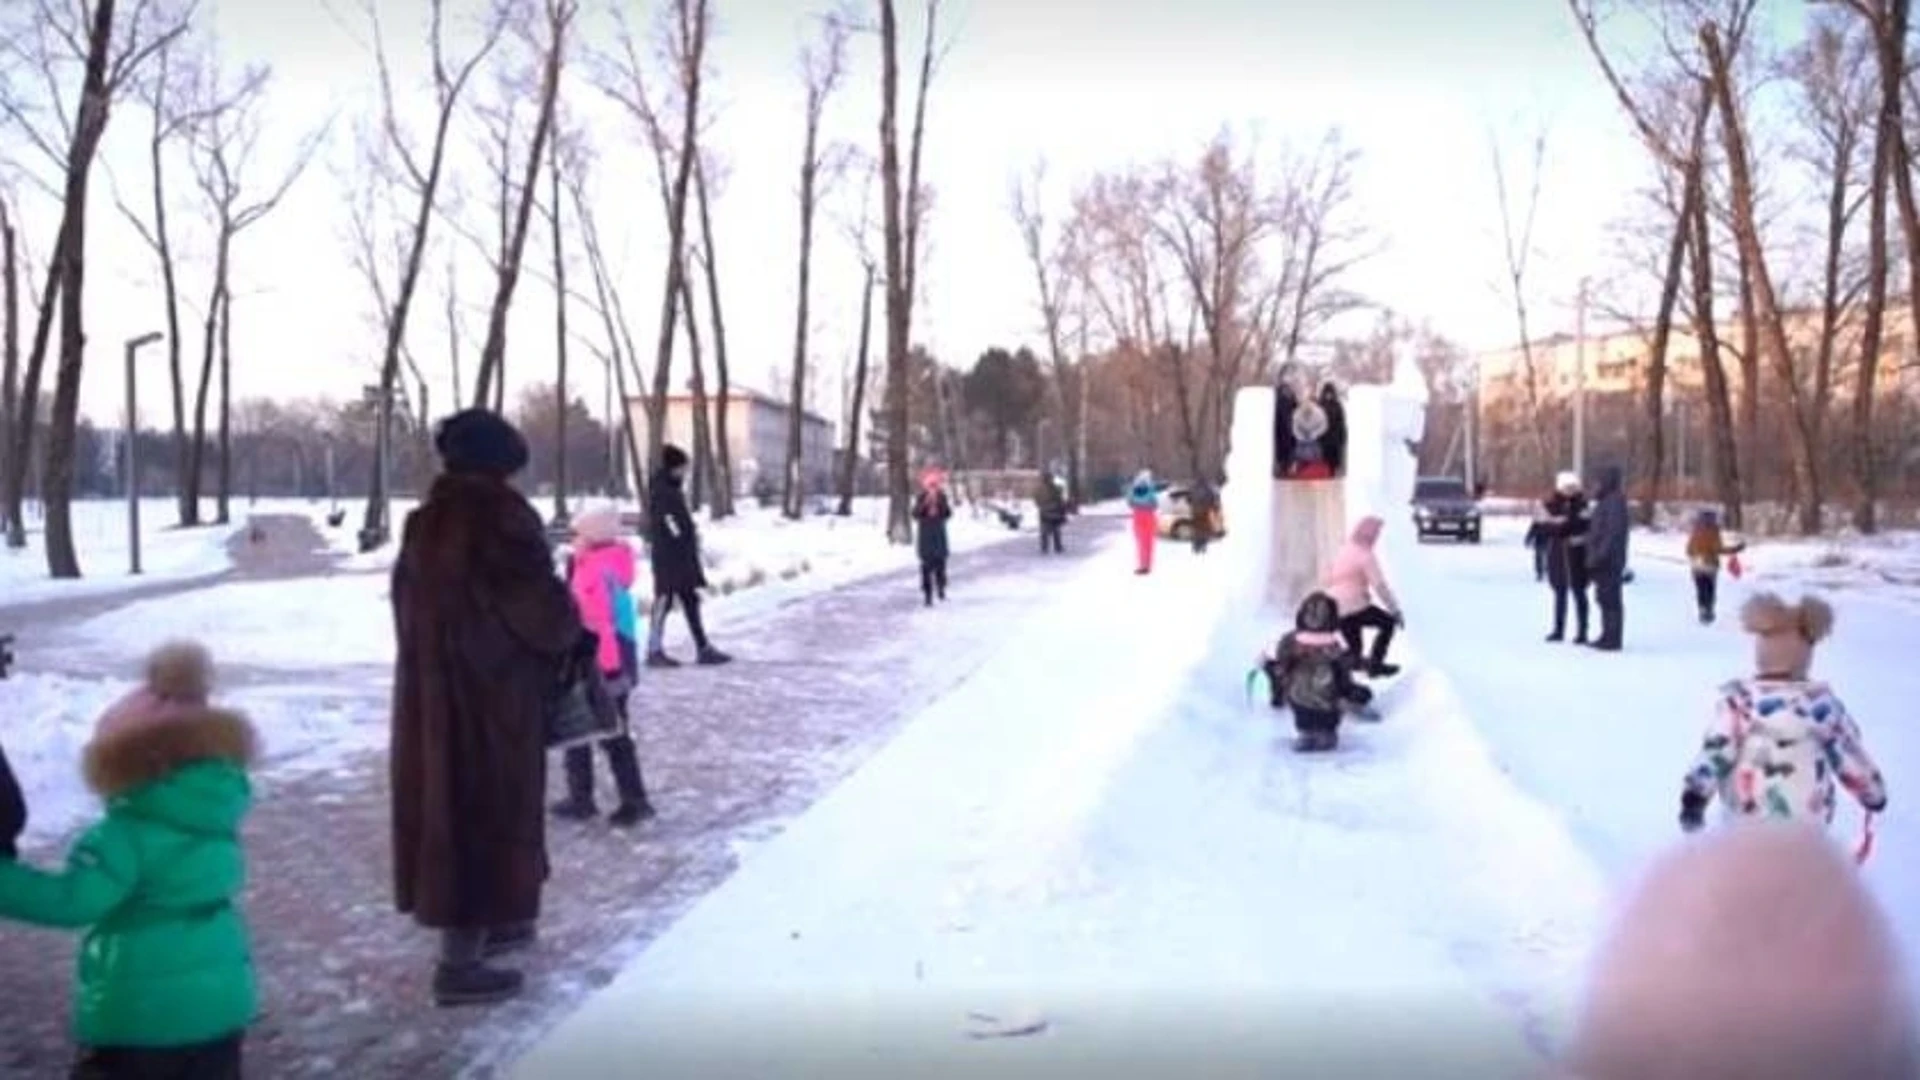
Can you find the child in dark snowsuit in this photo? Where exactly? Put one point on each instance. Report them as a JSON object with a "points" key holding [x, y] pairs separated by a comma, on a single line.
{"points": [[1311, 672]]}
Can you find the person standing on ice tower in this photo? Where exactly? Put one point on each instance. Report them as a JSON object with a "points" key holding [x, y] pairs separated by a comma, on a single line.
{"points": [[1143, 500], [1607, 556], [1366, 602], [1779, 740], [931, 512], [1563, 524]]}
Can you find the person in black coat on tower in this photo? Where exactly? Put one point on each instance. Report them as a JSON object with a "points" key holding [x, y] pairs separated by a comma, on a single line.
{"points": [[1607, 556], [1563, 531], [673, 550]]}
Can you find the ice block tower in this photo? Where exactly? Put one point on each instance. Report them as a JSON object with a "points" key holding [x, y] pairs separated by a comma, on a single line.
{"points": [[1305, 461]]}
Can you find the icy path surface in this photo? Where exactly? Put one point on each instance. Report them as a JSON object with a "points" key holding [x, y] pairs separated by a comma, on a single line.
{"points": [[1606, 738], [1094, 856]]}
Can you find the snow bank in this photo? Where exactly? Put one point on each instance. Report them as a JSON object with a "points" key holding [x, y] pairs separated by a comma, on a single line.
{"points": [[1097, 838], [1887, 565], [167, 553], [46, 720]]}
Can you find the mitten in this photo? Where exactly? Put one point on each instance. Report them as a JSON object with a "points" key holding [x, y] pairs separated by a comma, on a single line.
{"points": [[1693, 811]]}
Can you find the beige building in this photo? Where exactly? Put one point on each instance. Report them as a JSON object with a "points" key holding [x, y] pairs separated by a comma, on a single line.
{"points": [[1615, 363], [756, 439]]}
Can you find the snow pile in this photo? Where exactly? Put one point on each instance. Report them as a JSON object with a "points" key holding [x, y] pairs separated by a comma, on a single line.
{"points": [[167, 553], [46, 721]]}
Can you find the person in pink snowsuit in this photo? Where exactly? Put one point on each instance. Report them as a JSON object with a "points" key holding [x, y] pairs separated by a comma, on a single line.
{"points": [[600, 573], [1366, 601], [1143, 499]]}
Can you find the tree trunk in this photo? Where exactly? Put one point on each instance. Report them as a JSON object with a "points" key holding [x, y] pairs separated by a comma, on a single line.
{"points": [[1832, 311], [560, 515], [850, 462], [1656, 404], [723, 488], [90, 125], [453, 332], [223, 511], [27, 412], [1772, 326], [670, 299], [791, 491], [187, 512], [490, 383], [1892, 160], [899, 296], [1726, 464], [697, 387], [9, 351], [210, 338]]}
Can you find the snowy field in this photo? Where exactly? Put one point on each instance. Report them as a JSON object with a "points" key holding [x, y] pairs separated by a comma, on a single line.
{"points": [[168, 553]]}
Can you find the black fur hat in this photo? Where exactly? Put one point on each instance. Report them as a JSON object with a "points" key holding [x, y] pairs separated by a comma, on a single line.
{"points": [[482, 442], [672, 457]]}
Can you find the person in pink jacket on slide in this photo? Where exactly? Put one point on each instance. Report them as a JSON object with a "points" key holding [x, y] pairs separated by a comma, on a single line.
{"points": [[1366, 602]]}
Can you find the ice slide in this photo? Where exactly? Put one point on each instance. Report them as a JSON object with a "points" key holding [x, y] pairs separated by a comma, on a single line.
{"points": [[1293, 527]]}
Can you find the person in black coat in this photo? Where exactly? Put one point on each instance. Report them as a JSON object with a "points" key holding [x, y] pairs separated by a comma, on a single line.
{"points": [[673, 551], [1607, 556], [931, 512], [1563, 530], [13, 810]]}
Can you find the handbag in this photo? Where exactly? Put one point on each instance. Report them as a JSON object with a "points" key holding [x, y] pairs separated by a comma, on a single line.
{"points": [[583, 711]]}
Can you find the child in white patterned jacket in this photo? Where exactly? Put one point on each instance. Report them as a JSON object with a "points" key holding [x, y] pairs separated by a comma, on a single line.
{"points": [[1779, 740]]}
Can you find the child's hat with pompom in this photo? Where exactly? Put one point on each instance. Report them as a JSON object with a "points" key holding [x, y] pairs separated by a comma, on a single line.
{"points": [[177, 685], [1784, 634]]}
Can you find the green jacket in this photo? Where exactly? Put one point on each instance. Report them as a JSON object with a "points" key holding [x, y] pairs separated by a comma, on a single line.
{"points": [[165, 960]]}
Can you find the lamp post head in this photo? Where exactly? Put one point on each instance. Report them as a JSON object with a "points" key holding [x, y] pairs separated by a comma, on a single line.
{"points": [[144, 339]]}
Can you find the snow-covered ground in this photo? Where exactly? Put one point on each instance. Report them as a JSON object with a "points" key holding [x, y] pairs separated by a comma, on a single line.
{"points": [[1886, 567], [167, 553], [311, 652], [1605, 739]]}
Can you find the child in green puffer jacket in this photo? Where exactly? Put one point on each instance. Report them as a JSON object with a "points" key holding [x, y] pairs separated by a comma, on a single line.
{"points": [[164, 981]]}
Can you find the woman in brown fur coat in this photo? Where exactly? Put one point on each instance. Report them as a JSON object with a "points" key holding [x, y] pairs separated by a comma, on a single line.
{"points": [[483, 624]]}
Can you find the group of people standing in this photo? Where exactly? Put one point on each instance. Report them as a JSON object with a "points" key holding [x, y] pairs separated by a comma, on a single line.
{"points": [[1580, 544]]}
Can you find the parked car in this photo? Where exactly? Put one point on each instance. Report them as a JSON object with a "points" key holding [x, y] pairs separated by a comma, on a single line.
{"points": [[1445, 506], [1176, 516]]}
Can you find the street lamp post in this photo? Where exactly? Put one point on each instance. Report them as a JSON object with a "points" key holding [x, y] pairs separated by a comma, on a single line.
{"points": [[134, 345]]}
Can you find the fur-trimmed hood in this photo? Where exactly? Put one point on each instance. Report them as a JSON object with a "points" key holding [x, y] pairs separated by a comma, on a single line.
{"points": [[190, 772]]}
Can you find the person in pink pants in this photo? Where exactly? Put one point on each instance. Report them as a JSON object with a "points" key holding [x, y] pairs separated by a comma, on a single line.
{"points": [[1143, 498]]}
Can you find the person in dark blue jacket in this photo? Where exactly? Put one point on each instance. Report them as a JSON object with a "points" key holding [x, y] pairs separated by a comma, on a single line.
{"points": [[1607, 556]]}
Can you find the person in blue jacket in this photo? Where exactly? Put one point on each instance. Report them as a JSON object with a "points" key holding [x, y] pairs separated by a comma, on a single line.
{"points": [[1143, 499]]}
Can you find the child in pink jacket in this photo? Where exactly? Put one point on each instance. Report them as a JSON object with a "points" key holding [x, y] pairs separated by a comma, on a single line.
{"points": [[601, 573], [1359, 588]]}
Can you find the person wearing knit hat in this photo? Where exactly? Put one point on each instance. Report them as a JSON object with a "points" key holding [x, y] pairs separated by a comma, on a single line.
{"points": [[1779, 739], [1562, 522], [485, 634], [165, 984], [673, 551], [480, 442]]}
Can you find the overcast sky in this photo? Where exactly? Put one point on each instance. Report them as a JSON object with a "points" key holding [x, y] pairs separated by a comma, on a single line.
{"points": [[1416, 85]]}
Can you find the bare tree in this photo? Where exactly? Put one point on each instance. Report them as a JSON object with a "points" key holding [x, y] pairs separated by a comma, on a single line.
{"points": [[560, 300], [167, 93], [224, 138], [624, 82], [859, 232], [723, 489], [901, 230], [111, 60], [559, 15], [823, 65], [1050, 262], [619, 352], [1517, 250], [1320, 246], [421, 178]]}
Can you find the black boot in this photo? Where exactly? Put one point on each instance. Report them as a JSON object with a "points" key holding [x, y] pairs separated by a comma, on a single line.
{"points": [[463, 977], [712, 657], [624, 759], [659, 659], [513, 937], [578, 805]]}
